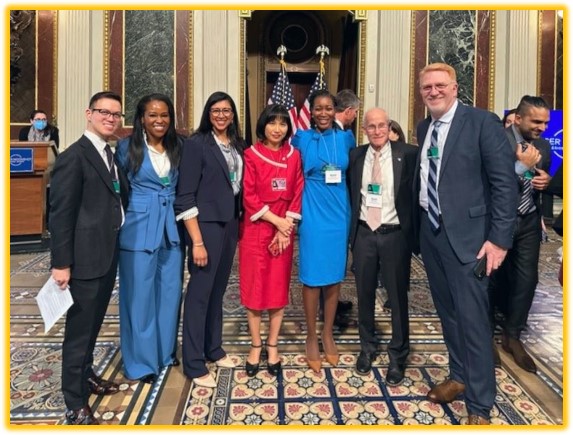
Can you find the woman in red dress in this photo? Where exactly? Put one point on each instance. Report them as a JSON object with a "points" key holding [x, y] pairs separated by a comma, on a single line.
{"points": [[272, 192]]}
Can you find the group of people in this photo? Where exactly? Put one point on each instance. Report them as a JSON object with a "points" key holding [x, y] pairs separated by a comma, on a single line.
{"points": [[453, 198]]}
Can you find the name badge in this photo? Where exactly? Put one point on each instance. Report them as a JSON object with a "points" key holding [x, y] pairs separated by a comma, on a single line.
{"points": [[278, 184], [373, 200], [233, 176], [528, 175], [165, 181], [332, 176], [433, 153], [115, 185]]}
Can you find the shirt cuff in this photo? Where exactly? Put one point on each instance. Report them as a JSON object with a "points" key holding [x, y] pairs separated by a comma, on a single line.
{"points": [[260, 213], [188, 214], [294, 215]]}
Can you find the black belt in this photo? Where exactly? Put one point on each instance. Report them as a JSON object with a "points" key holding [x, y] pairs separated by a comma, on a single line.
{"points": [[382, 229]]}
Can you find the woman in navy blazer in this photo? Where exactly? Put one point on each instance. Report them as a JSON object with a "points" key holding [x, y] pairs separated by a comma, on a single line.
{"points": [[151, 255], [208, 201]]}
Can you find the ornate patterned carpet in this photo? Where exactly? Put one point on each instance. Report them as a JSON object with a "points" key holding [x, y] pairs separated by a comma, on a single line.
{"points": [[337, 396]]}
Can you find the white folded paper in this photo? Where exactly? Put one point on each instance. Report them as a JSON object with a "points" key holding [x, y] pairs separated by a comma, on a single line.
{"points": [[53, 303]]}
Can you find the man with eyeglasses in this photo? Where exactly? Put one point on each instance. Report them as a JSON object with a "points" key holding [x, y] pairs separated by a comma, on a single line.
{"points": [[88, 193], [380, 177], [467, 196]]}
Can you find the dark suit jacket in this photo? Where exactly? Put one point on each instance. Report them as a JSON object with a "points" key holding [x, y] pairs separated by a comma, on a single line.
{"points": [[54, 134], [85, 211], [544, 148], [403, 165], [477, 188], [204, 181]]}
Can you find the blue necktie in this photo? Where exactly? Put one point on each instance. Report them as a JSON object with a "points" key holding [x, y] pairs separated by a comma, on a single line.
{"points": [[433, 207]]}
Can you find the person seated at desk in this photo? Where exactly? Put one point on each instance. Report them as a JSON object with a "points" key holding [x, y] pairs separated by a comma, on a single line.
{"points": [[39, 130]]}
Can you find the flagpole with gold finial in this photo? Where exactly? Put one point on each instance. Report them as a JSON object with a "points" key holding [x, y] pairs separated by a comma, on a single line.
{"points": [[281, 51], [322, 50]]}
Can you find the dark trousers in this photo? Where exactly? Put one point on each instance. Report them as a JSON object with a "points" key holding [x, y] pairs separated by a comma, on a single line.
{"points": [[462, 304], [83, 323], [203, 309], [388, 254], [513, 285]]}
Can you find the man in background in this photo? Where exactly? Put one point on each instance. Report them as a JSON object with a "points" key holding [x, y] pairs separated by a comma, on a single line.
{"points": [[515, 282]]}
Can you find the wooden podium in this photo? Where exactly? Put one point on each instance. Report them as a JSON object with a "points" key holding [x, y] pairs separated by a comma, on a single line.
{"points": [[29, 179]]}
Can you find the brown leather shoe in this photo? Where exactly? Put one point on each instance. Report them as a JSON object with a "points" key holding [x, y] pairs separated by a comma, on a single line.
{"points": [[101, 386], [514, 347], [477, 419], [446, 392], [82, 416]]}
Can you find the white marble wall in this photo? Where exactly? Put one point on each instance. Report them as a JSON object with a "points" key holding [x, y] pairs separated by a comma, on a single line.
{"points": [[80, 69], [515, 57], [216, 53], [387, 75]]}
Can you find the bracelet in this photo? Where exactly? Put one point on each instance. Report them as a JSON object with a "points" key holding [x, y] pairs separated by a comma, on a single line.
{"points": [[198, 244]]}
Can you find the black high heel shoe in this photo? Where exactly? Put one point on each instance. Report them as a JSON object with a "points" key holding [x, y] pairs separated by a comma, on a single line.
{"points": [[273, 368], [253, 369]]}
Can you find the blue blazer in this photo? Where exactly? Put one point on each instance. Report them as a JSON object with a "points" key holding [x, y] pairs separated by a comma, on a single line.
{"points": [[205, 182], [150, 212], [477, 187]]}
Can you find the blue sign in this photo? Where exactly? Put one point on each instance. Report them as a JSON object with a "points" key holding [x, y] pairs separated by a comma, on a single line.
{"points": [[21, 160], [554, 134]]}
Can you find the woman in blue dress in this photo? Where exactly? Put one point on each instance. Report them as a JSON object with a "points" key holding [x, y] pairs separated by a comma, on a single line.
{"points": [[151, 254], [323, 233]]}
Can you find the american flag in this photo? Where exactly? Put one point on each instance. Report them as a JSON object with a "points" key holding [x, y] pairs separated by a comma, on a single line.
{"points": [[282, 94], [318, 85]]}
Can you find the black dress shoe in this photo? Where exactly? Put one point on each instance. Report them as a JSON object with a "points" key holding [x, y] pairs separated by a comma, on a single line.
{"points": [[274, 369], [148, 379], [82, 416], [364, 362], [395, 374], [250, 368], [341, 321], [101, 386], [344, 306]]}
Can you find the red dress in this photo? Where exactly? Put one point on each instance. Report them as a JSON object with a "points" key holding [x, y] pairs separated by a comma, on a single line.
{"points": [[272, 180]]}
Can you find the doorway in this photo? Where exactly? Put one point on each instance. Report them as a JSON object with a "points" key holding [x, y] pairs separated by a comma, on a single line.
{"points": [[301, 32]]}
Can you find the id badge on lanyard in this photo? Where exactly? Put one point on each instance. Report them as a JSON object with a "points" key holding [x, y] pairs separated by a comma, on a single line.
{"points": [[374, 196], [433, 153], [279, 184], [115, 185], [332, 174]]}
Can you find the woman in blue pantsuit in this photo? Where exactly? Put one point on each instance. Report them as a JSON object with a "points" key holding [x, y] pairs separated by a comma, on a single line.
{"points": [[151, 253]]}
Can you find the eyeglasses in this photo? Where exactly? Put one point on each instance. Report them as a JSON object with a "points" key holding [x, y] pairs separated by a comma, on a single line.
{"points": [[371, 128], [439, 87], [106, 113], [224, 112]]}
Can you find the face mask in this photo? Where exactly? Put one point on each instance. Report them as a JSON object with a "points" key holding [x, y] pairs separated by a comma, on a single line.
{"points": [[40, 125]]}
